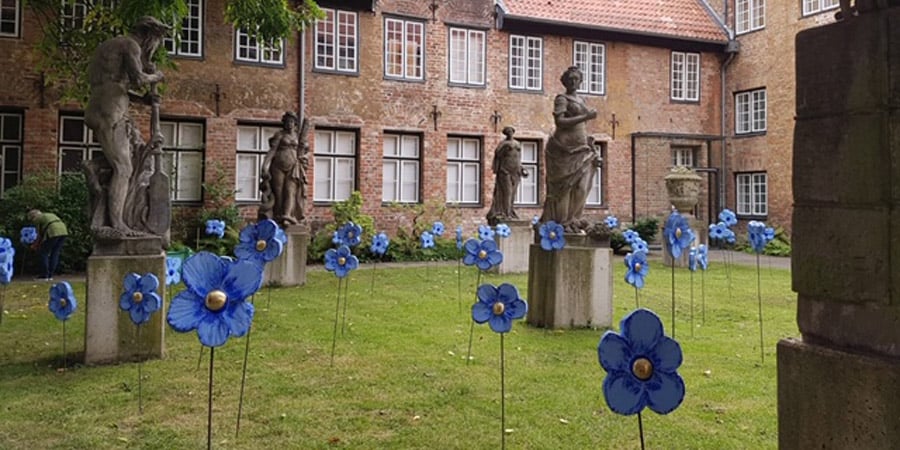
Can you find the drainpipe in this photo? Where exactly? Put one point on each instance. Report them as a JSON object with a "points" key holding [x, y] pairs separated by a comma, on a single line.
{"points": [[731, 49], [633, 181], [301, 79]]}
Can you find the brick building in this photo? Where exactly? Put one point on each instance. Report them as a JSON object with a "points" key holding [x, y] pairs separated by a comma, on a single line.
{"points": [[406, 99]]}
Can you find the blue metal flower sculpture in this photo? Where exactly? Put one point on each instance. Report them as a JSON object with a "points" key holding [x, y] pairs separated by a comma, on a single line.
{"points": [[281, 236], [380, 244], [437, 229], [703, 256], [730, 237], [427, 240], [336, 238], [62, 301], [459, 237], [630, 235], [140, 298], [640, 245], [678, 234], [350, 234], [638, 268], [728, 217], [718, 231], [641, 366], [483, 254], [485, 233], [259, 242], [173, 270], [552, 236], [215, 228], [214, 301], [7, 257], [611, 222], [758, 235], [535, 220], [770, 233], [498, 306], [503, 230], [340, 261], [27, 235]]}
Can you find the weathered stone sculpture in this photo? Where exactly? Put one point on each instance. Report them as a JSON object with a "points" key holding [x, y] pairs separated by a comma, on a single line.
{"points": [[508, 173], [129, 198], [572, 158], [284, 179]]}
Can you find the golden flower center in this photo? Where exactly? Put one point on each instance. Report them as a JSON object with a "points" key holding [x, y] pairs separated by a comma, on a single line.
{"points": [[499, 308], [642, 368], [260, 245], [552, 235], [678, 233], [637, 267], [62, 303], [137, 297], [215, 300], [342, 260], [350, 234], [482, 254]]}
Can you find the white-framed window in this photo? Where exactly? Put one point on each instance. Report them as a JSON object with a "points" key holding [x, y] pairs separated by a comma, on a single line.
{"points": [[336, 42], [249, 49], [685, 76], [684, 156], [335, 165], [10, 150], [183, 144], [750, 111], [467, 56], [76, 143], [463, 170], [527, 193], [252, 145], [404, 44], [590, 58], [73, 12], [752, 194], [400, 168], [189, 39], [750, 15], [10, 12], [525, 62], [595, 196], [817, 6]]}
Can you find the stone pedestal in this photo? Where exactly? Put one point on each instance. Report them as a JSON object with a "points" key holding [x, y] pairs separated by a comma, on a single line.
{"points": [[289, 269], [515, 247], [572, 287], [110, 335], [837, 388]]}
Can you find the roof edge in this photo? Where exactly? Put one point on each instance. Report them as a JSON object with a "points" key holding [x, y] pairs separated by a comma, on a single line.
{"points": [[720, 21]]}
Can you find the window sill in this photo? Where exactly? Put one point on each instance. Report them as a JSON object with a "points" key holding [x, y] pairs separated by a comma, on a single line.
{"points": [[351, 73], [749, 217], [262, 65], [750, 135], [464, 205]]}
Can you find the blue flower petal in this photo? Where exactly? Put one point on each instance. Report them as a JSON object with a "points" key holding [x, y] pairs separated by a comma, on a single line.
{"points": [[203, 272], [516, 309], [274, 247], [266, 229], [238, 318], [494, 258], [664, 392], [481, 312], [213, 331], [507, 293], [623, 394], [139, 316], [487, 293], [352, 262], [186, 311], [148, 283], [125, 301], [152, 303], [643, 329], [500, 323], [243, 279], [667, 356], [132, 282], [614, 352]]}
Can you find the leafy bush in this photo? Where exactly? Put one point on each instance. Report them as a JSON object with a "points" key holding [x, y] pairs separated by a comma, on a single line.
{"points": [[780, 246], [646, 228], [219, 205], [344, 211]]}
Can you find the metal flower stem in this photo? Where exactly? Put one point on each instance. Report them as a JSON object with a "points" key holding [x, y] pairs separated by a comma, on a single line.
{"points": [[346, 300], [762, 353], [337, 310], [641, 429], [692, 303], [673, 296], [212, 355], [637, 300], [502, 395], [64, 345], [2, 294], [727, 257], [140, 373], [703, 296], [372, 286], [200, 357], [237, 427], [472, 321], [459, 281]]}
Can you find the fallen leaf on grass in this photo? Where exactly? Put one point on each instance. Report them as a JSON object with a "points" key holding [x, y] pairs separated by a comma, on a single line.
{"points": [[564, 421]]}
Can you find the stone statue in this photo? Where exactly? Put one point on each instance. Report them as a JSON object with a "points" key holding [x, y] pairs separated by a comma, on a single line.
{"points": [[572, 159], [129, 197], [284, 181], [508, 172]]}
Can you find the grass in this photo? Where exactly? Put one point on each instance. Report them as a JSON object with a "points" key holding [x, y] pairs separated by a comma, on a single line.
{"points": [[399, 378]]}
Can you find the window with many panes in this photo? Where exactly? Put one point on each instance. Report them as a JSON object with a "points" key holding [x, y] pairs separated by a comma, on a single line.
{"points": [[750, 15], [188, 41], [73, 12], [590, 58], [684, 156], [817, 6], [750, 112], [463, 170], [400, 168], [525, 62], [685, 76], [404, 44], [252, 145], [527, 193], [597, 195], [183, 144], [335, 39], [9, 17], [76, 143], [248, 49], [10, 150], [467, 56], [335, 165], [752, 194]]}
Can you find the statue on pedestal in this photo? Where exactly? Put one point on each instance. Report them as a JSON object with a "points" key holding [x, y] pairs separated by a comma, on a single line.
{"points": [[508, 174], [283, 184]]}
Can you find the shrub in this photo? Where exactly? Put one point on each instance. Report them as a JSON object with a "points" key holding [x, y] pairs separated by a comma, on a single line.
{"points": [[219, 205], [344, 211], [646, 228]]}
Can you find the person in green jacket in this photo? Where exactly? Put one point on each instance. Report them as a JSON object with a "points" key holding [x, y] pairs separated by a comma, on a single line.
{"points": [[52, 234]]}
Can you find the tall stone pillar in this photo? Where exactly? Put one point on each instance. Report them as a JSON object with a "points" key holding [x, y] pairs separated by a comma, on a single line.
{"points": [[839, 384]]}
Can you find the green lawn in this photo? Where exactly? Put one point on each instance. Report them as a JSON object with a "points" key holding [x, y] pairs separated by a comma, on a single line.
{"points": [[399, 379]]}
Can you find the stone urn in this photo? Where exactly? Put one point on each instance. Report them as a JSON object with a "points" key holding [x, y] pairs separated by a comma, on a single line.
{"points": [[683, 186]]}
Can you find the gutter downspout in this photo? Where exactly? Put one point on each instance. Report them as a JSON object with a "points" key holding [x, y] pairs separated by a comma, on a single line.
{"points": [[301, 79], [633, 181], [723, 78]]}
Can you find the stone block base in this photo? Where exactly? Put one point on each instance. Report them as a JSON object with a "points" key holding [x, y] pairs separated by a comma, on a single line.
{"points": [[515, 247], [110, 335], [571, 287], [289, 269], [833, 399]]}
